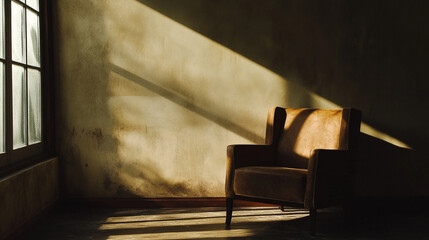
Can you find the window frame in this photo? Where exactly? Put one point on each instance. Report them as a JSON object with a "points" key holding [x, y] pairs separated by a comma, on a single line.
{"points": [[13, 159]]}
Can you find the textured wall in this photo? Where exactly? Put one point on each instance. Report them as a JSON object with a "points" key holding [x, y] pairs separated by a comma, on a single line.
{"points": [[26, 194], [150, 93]]}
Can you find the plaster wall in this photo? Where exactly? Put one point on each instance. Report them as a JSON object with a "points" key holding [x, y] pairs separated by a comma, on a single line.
{"points": [[150, 93]]}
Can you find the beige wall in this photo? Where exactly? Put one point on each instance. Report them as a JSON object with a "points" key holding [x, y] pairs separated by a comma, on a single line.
{"points": [[150, 93], [25, 194]]}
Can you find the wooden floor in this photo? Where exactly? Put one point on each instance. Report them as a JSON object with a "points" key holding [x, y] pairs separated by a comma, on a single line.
{"points": [[208, 223]]}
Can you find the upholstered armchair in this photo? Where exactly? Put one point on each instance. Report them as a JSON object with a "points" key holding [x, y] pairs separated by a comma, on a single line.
{"points": [[307, 160]]}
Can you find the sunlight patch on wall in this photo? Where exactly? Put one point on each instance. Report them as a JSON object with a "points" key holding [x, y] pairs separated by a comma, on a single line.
{"points": [[177, 99], [365, 128], [320, 102], [194, 67]]}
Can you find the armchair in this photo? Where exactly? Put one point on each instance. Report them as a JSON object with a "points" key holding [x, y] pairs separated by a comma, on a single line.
{"points": [[306, 161]]}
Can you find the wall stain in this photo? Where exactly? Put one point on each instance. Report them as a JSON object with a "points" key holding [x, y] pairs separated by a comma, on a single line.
{"points": [[107, 181], [95, 133]]}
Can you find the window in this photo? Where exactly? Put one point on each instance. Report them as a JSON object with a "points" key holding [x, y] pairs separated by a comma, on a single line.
{"points": [[22, 77]]}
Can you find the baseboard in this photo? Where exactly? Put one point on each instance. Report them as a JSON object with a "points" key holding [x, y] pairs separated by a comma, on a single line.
{"points": [[156, 202]]}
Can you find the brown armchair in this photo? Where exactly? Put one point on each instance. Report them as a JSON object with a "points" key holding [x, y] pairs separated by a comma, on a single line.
{"points": [[306, 160]]}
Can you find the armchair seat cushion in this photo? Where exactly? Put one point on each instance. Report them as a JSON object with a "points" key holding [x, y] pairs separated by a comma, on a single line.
{"points": [[279, 183]]}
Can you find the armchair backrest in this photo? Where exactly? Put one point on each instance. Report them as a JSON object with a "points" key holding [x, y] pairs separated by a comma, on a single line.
{"points": [[307, 129]]}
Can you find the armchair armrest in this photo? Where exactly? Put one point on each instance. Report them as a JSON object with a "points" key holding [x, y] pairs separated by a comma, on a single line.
{"points": [[242, 156], [330, 177], [249, 155]]}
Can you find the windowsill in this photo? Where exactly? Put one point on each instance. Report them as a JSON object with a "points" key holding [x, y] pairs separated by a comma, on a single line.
{"points": [[21, 166]]}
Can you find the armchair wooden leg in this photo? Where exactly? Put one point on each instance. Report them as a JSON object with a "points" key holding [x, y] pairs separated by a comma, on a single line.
{"points": [[229, 205], [313, 218]]}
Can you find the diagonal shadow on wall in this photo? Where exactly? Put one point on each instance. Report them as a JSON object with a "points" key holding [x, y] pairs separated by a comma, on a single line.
{"points": [[369, 55], [225, 123]]}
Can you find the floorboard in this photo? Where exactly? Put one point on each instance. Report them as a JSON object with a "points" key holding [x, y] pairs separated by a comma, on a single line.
{"points": [[208, 223]]}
